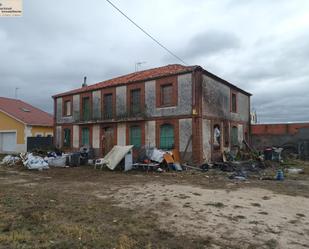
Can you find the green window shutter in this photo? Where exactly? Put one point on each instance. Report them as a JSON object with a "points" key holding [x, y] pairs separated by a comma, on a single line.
{"points": [[86, 109], [108, 106], [85, 136], [234, 135], [136, 136], [67, 138], [135, 101], [167, 140]]}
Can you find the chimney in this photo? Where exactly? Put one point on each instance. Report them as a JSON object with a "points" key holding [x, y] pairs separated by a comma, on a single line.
{"points": [[85, 82]]}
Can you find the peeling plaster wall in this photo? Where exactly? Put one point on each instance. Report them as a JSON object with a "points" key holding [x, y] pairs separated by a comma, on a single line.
{"points": [[185, 131], [121, 134], [121, 100], [216, 101], [184, 98], [58, 109], [75, 136], [96, 136], [206, 140], [96, 103], [240, 135], [58, 137], [150, 133], [76, 107]]}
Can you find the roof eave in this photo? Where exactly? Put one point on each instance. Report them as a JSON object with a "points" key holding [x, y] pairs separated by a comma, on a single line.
{"points": [[121, 84], [225, 82]]}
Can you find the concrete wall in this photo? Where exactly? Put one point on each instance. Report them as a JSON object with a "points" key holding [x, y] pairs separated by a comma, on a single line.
{"points": [[184, 98], [96, 136], [121, 100]]}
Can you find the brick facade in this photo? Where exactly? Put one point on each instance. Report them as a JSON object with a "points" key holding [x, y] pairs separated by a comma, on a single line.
{"points": [[186, 112]]}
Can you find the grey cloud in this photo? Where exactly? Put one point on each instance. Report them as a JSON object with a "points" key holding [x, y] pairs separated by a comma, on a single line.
{"points": [[209, 43]]}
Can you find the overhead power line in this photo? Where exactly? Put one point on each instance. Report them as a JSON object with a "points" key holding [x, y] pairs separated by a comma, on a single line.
{"points": [[146, 33]]}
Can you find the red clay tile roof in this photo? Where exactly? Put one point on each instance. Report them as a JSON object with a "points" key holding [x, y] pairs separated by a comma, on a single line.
{"points": [[24, 112], [135, 77]]}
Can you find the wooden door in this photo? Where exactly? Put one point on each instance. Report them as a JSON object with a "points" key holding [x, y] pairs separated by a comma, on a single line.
{"points": [[108, 139]]}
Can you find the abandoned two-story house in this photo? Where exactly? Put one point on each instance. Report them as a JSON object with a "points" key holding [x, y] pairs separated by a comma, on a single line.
{"points": [[182, 107]]}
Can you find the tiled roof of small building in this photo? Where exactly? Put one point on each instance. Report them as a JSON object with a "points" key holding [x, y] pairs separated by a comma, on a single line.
{"points": [[25, 113]]}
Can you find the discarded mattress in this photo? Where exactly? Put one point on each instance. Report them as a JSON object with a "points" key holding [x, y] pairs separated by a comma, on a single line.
{"points": [[114, 157]]}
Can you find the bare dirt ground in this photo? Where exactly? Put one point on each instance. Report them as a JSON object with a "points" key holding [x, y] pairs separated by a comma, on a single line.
{"points": [[87, 208]]}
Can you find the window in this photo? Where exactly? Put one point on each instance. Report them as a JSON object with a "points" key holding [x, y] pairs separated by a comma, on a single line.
{"points": [[167, 137], [167, 95], [234, 136], [67, 108], [67, 138], [108, 106], [234, 102], [85, 136], [135, 104], [136, 136], [86, 109]]}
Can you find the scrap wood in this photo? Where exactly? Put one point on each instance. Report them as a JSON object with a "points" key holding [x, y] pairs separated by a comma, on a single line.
{"points": [[168, 158], [176, 155]]}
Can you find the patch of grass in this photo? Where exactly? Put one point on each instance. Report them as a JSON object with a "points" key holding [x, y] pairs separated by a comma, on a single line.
{"points": [[271, 244], [215, 204]]}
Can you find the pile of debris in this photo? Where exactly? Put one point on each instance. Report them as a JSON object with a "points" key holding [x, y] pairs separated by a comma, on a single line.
{"points": [[34, 161], [148, 159]]}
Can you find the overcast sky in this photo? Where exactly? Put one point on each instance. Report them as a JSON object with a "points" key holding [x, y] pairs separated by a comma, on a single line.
{"points": [[261, 46]]}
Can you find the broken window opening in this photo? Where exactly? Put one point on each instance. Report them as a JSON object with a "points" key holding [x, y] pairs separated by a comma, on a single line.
{"points": [[67, 108], [234, 102], [67, 138], [167, 95], [217, 137]]}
